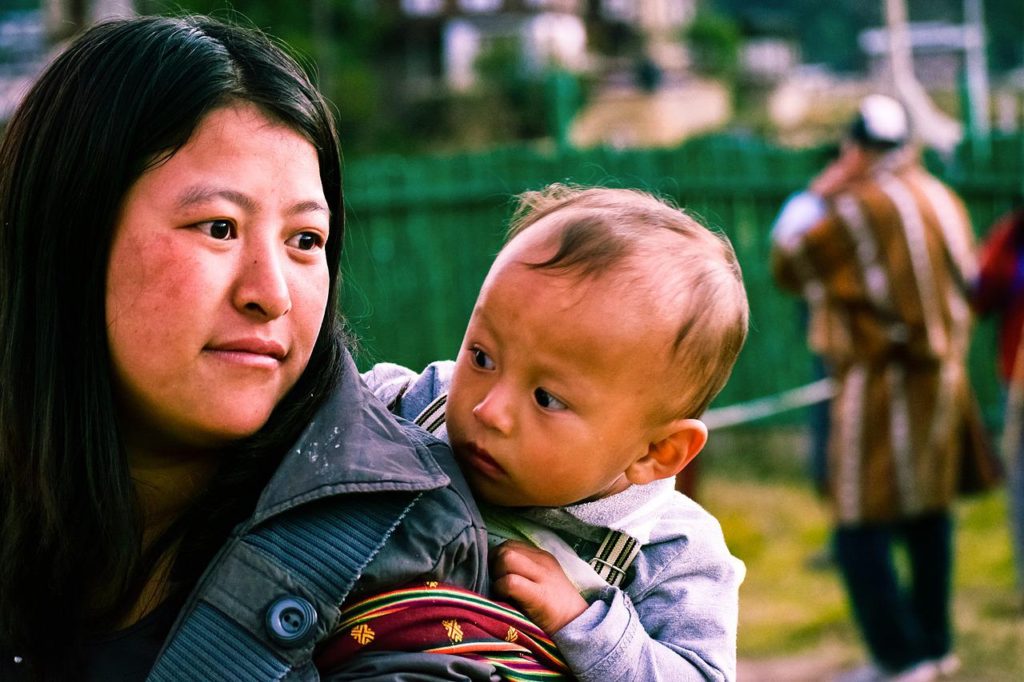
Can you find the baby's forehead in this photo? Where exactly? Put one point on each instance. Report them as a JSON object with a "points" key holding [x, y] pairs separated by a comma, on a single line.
{"points": [[643, 264], [582, 310]]}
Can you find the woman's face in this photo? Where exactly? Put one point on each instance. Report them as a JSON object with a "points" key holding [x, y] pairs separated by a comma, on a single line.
{"points": [[217, 282]]}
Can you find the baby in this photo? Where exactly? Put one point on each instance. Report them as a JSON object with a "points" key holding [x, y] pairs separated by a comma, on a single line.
{"points": [[605, 327]]}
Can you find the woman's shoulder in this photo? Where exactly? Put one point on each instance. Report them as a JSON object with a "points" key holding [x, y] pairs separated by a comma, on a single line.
{"points": [[443, 537]]}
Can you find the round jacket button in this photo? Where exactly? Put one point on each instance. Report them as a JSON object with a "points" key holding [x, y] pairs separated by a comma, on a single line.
{"points": [[291, 621]]}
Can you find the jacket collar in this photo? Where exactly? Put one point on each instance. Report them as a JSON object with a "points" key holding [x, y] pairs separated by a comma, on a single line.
{"points": [[352, 445]]}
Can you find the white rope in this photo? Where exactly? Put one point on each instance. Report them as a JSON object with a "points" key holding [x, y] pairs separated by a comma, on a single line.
{"points": [[759, 408]]}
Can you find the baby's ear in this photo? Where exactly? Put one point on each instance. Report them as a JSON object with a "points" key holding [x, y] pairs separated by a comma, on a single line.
{"points": [[679, 442]]}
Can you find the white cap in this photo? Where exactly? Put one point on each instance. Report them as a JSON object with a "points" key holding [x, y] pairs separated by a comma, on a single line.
{"points": [[881, 121]]}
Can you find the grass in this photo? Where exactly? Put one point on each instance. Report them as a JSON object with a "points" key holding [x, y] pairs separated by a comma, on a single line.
{"points": [[794, 621]]}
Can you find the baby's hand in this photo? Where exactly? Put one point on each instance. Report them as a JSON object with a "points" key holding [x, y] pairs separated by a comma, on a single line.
{"points": [[532, 578]]}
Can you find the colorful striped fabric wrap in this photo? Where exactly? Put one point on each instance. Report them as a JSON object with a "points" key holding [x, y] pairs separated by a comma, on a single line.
{"points": [[442, 619]]}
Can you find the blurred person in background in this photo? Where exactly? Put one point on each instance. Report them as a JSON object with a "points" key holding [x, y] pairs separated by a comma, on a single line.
{"points": [[999, 290], [884, 272]]}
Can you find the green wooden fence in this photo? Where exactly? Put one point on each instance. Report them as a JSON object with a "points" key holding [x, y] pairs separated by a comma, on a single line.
{"points": [[422, 231]]}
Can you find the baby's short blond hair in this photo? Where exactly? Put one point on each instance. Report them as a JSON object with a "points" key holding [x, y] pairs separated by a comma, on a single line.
{"points": [[668, 261]]}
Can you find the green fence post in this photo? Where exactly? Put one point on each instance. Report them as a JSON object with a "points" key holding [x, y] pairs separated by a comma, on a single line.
{"points": [[563, 94]]}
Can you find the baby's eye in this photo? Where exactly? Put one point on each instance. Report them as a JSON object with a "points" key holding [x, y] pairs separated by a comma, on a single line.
{"points": [[548, 401], [221, 230], [306, 241], [482, 359]]}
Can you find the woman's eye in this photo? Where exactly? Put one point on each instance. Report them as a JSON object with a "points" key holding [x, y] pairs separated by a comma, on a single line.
{"points": [[548, 401], [218, 229], [306, 241], [482, 359]]}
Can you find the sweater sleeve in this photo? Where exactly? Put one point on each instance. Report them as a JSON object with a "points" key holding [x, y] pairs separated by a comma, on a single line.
{"points": [[823, 254], [682, 628], [405, 392], [801, 212]]}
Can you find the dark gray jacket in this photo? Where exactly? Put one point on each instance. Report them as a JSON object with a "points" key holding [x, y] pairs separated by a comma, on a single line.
{"points": [[352, 447]]}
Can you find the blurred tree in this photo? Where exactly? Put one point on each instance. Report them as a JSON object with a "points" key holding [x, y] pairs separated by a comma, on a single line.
{"points": [[504, 79], [350, 46], [828, 31], [361, 52], [714, 41], [1004, 23]]}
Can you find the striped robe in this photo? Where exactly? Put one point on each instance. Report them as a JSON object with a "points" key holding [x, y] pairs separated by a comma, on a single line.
{"points": [[884, 276]]}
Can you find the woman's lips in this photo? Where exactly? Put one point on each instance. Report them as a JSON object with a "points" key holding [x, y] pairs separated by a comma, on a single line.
{"points": [[249, 352]]}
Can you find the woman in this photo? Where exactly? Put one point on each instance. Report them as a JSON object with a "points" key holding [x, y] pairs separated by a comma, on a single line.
{"points": [[173, 368]]}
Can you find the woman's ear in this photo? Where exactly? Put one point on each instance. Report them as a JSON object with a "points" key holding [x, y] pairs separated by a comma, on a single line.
{"points": [[678, 443]]}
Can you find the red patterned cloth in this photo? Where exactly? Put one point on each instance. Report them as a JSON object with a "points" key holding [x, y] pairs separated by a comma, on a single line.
{"points": [[445, 620]]}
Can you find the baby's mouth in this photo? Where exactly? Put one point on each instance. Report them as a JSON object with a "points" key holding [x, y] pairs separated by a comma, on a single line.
{"points": [[480, 460]]}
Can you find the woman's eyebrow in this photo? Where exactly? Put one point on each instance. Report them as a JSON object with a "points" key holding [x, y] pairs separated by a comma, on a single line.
{"points": [[198, 194], [309, 206]]}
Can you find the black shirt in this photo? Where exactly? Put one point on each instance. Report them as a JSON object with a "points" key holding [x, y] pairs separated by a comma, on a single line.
{"points": [[126, 655]]}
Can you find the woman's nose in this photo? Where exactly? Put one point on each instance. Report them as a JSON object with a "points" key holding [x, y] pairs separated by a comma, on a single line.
{"points": [[494, 412], [262, 289]]}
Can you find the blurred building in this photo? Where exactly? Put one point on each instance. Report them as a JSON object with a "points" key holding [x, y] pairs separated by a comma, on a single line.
{"points": [[807, 103], [22, 41], [663, 117], [939, 52], [23, 49], [543, 33], [28, 37], [64, 18], [630, 50]]}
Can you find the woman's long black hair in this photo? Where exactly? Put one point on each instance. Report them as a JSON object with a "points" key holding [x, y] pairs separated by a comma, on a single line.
{"points": [[124, 96]]}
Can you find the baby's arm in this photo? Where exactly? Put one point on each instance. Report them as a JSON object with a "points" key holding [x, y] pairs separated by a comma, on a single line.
{"points": [[681, 625]]}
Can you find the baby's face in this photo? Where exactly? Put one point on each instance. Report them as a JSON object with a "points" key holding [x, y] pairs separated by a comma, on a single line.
{"points": [[556, 384]]}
